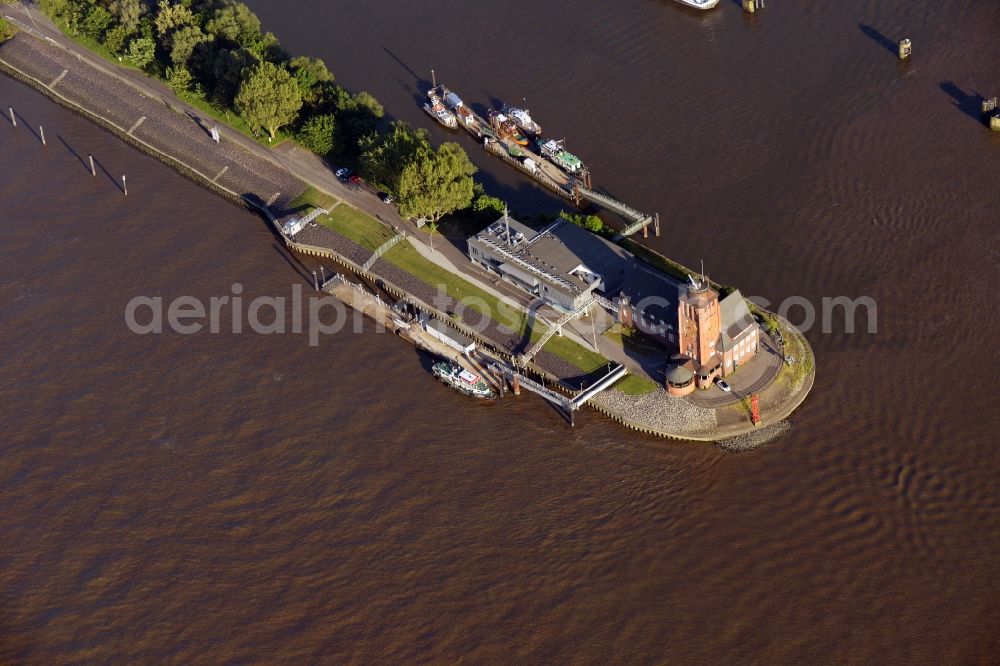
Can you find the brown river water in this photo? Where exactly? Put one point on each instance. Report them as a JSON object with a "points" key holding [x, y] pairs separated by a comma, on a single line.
{"points": [[249, 498]]}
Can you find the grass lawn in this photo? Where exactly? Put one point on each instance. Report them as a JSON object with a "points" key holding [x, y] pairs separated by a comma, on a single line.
{"points": [[98, 48], [346, 221], [636, 385], [369, 232], [231, 119]]}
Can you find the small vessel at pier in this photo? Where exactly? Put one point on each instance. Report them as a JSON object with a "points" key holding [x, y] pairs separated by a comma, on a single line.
{"points": [[699, 4], [522, 119], [506, 128], [462, 380], [436, 109], [558, 155]]}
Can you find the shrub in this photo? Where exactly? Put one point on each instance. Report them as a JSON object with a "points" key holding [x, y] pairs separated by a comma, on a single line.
{"points": [[319, 134], [178, 78]]}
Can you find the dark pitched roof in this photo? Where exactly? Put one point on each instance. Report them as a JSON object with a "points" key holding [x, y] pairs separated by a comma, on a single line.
{"points": [[736, 318]]}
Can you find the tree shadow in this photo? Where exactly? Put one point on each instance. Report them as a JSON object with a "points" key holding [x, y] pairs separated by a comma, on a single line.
{"points": [[968, 103], [878, 38]]}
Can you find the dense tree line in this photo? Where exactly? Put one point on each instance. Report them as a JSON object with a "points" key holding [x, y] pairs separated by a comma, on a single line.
{"points": [[215, 49]]}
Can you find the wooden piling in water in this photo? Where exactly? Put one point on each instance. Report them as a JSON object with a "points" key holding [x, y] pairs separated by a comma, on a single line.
{"points": [[124, 186], [13, 120], [41, 131], [93, 171]]}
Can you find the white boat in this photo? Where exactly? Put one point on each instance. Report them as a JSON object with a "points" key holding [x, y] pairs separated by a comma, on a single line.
{"points": [[699, 4], [436, 109], [462, 380], [522, 119]]}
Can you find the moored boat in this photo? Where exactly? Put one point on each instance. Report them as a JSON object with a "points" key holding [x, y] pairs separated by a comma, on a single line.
{"points": [[436, 109], [505, 127], [556, 152], [522, 118], [462, 380], [699, 4]]}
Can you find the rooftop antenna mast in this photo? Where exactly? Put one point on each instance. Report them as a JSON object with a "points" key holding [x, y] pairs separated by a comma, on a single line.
{"points": [[506, 222]]}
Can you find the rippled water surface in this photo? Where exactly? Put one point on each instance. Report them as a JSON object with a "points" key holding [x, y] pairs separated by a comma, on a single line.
{"points": [[250, 498]]}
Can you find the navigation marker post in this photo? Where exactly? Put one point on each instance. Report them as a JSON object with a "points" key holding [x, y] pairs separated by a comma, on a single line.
{"points": [[124, 186], [13, 120], [41, 130]]}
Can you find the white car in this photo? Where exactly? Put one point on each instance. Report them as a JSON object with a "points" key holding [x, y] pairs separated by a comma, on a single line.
{"points": [[723, 385]]}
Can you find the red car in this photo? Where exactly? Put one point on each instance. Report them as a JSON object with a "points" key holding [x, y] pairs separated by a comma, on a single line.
{"points": [[355, 179]]}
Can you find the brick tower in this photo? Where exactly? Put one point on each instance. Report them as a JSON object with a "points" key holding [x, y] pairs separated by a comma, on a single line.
{"points": [[699, 324]]}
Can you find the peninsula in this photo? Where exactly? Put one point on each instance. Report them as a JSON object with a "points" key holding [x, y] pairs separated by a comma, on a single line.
{"points": [[588, 320]]}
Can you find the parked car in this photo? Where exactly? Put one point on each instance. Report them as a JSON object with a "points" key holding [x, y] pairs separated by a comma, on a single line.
{"points": [[343, 173], [723, 385], [355, 179], [386, 197]]}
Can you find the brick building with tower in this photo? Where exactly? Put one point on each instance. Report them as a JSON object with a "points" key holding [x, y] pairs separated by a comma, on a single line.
{"points": [[715, 337]]}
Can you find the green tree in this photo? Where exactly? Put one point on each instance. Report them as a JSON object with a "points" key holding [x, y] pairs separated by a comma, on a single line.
{"points": [[268, 97], [435, 183], [484, 203], [141, 51], [127, 13], [6, 30], [183, 43], [179, 78], [115, 38], [384, 155], [227, 71], [96, 22], [319, 134], [170, 17], [310, 74], [236, 23]]}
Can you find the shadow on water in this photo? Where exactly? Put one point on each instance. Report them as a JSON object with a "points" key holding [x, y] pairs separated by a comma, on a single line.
{"points": [[74, 153], [107, 173], [968, 103], [878, 38], [28, 125], [294, 262], [422, 84]]}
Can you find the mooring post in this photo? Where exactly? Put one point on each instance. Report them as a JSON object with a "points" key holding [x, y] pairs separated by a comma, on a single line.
{"points": [[41, 131], [657, 218], [13, 120], [904, 48], [516, 384], [645, 231], [124, 186], [93, 171]]}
